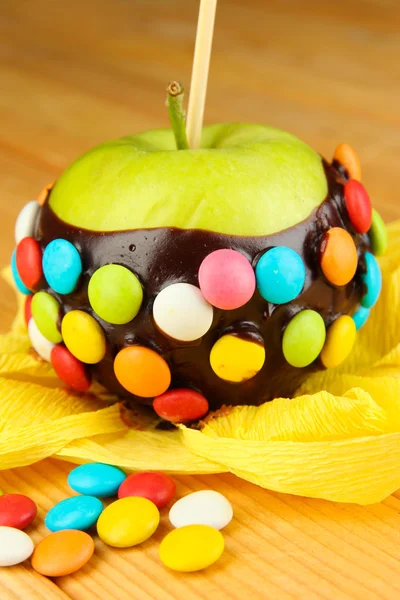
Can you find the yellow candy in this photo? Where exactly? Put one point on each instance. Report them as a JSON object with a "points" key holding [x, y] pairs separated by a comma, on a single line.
{"points": [[191, 548], [128, 522], [83, 337], [339, 342], [235, 359]]}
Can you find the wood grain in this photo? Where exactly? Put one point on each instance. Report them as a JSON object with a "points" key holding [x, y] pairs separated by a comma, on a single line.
{"points": [[79, 72]]}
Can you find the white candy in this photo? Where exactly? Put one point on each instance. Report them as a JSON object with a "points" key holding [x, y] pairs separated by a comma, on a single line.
{"points": [[25, 223], [182, 312], [42, 345], [202, 508], [15, 546]]}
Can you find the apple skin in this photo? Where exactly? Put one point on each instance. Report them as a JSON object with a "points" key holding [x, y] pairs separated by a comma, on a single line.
{"points": [[246, 179]]}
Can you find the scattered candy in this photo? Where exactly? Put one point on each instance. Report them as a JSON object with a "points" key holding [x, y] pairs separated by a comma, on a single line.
{"points": [[235, 359], [17, 510], [156, 487], [96, 479], [378, 234], [83, 337], [181, 405], [44, 193], [181, 312], [115, 294], [70, 370], [205, 507], [46, 311], [26, 220], [361, 316], [373, 281], [346, 156], [304, 338], [28, 309], [78, 512], [280, 274], [15, 546], [338, 256], [21, 287], [128, 522], [142, 371], [62, 553], [62, 266], [191, 548], [29, 262], [358, 205], [226, 279], [340, 339], [39, 343]]}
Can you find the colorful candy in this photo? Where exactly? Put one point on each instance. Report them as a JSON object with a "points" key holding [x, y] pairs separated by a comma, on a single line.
{"points": [[346, 156], [358, 205], [156, 487], [46, 311], [181, 405], [373, 281], [28, 309], [39, 343], [181, 312], [78, 512], [115, 294], [191, 548], [70, 370], [26, 221], [304, 338], [44, 193], [235, 359], [62, 553], [29, 262], [21, 287], [128, 522], [205, 507], [83, 337], [142, 371], [340, 339], [280, 274], [17, 510], [96, 479], [338, 256], [361, 316], [62, 266], [378, 234], [15, 546], [226, 279]]}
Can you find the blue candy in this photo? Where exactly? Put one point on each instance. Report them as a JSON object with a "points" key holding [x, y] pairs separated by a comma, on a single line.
{"points": [[62, 266], [280, 275], [78, 512], [373, 281], [17, 279], [96, 479], [361, 316]]}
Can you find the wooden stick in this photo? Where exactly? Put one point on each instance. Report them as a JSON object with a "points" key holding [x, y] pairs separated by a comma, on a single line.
{"points": [[201, 66]]}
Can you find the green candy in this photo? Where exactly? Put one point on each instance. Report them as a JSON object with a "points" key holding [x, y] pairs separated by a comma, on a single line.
{"points": [[304, 338], [378, 234], [115, 294], [46, 313]]}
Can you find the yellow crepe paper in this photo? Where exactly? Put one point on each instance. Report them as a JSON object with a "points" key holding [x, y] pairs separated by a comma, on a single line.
{"points": [[339, 439]]}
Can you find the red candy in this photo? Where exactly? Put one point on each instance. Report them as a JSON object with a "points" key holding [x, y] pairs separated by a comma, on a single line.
{"points": [[70, 370], [27, 309], [29, 262], [181, 405], [16, 511], [156, 487], [358, 206]]}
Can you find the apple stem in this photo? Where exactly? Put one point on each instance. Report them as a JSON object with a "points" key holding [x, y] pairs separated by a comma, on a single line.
{"points": [[177, 114]]}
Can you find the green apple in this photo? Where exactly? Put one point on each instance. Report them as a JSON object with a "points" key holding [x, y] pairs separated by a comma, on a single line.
{"points": [[244, 180]]}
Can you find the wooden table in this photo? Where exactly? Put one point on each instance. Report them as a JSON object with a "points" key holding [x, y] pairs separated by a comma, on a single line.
{"points": [[75, 73]]}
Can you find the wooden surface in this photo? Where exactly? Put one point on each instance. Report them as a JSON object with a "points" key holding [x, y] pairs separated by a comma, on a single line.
{"points": [[79, 72]]}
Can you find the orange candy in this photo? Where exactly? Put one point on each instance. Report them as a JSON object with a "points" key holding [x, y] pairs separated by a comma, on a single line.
{"points": [[142, 371], [338, 256], [346, 156], [62, 553], [44, 193]]}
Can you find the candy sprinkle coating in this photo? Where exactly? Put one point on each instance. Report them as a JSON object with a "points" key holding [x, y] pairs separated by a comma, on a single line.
{"points": [[338, 256], [142, 371], [340, 339], [372, 280], [83, 337], [304, 338], [378, 234], [181, 405], [62, 266], [191, 548], [46, 311], [281, 275], [235, 359]]}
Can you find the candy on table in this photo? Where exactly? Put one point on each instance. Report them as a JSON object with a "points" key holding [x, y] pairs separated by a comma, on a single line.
{"points": [[96, 479], [181, 312], [70, 370], [280, 274], [26, 220], [41, 344], [358, 205], [142, 371], [156, 487], [15, 546], [340, 339], [128, 522], [373, 281], [17, 510], [21, 287], [347, 157], [191, 548], [338, 256], [78, 512], [83, 336], [378, 234], [205, 507], [235, 359], [226, 279], [304, 338], [181, 405], [361, 316], [28, 309], [46, 311], [62, 266], [62, 553]]}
